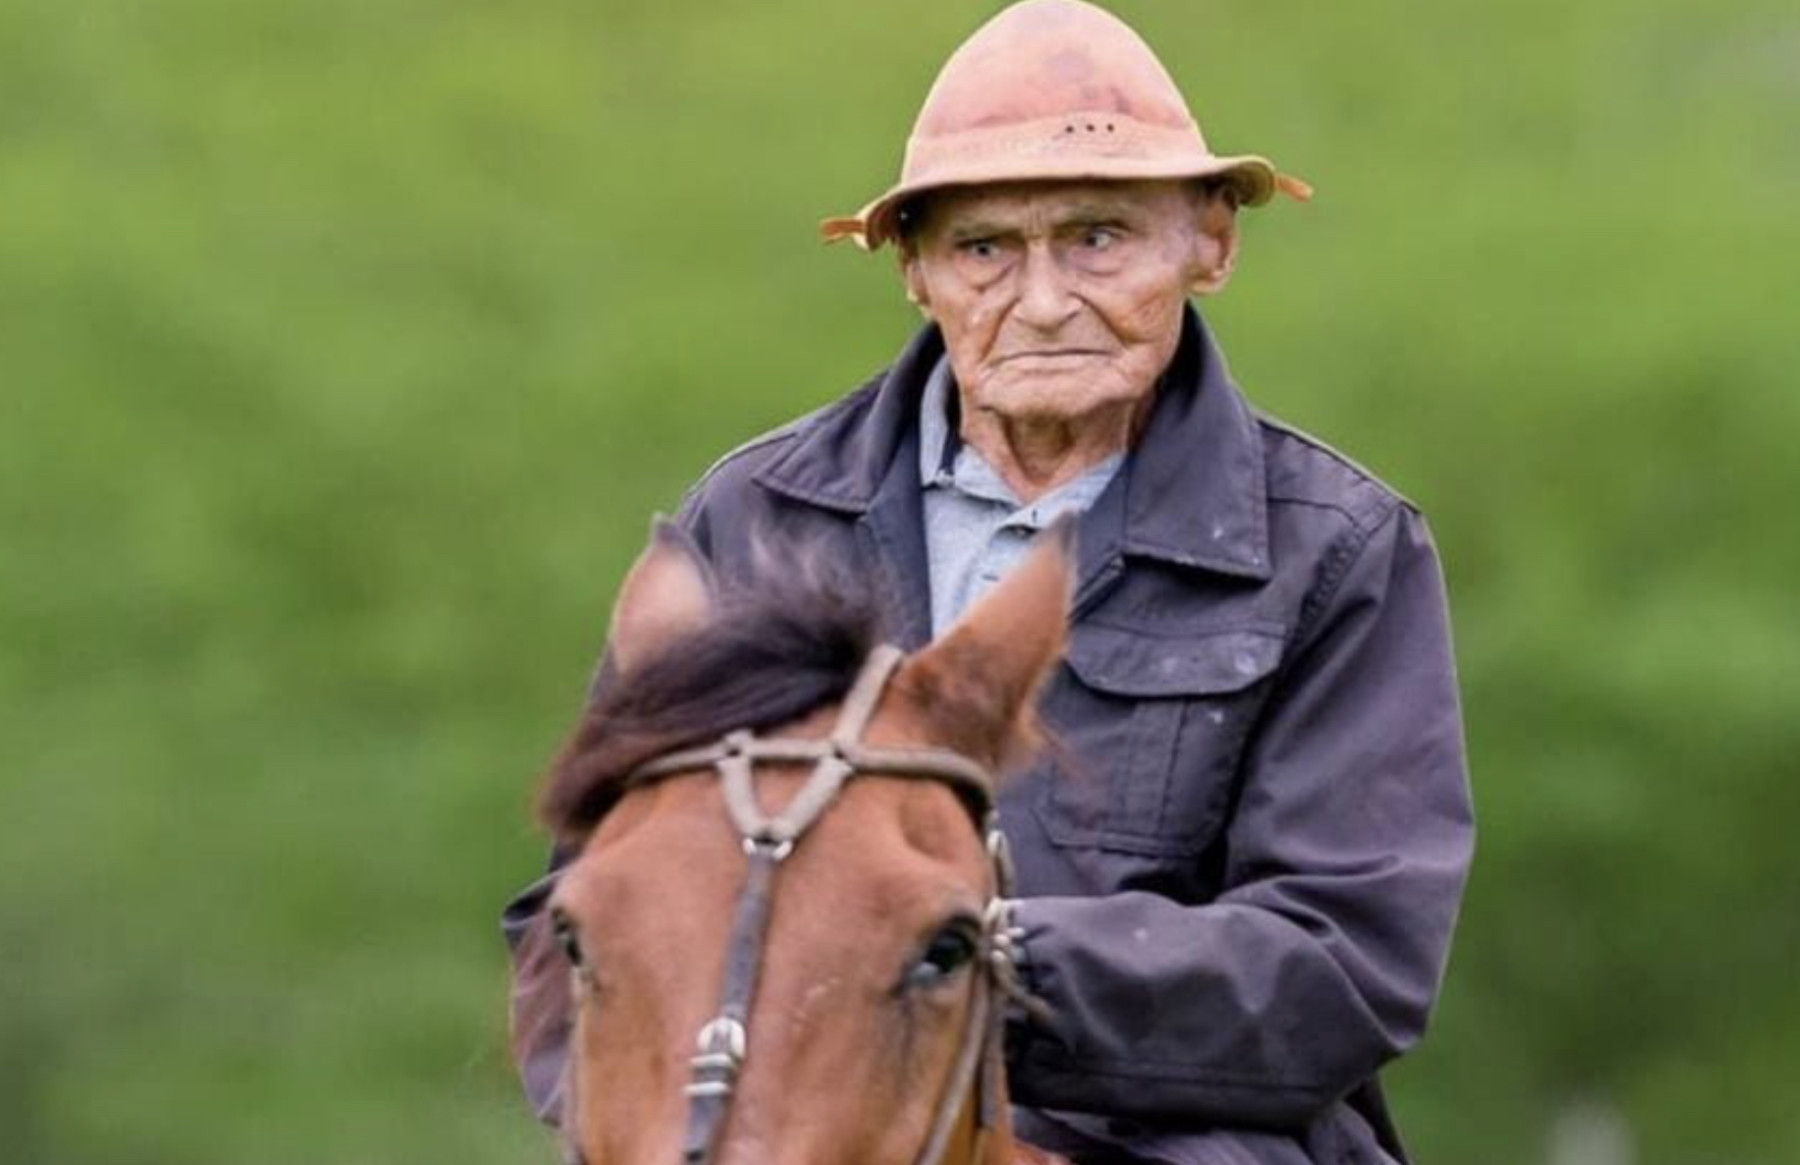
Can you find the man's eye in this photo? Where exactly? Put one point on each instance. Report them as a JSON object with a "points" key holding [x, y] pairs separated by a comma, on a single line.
{"points": [[1100, 238], [980, 248]]}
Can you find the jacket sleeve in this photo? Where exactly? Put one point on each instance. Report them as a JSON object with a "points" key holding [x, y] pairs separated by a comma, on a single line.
{"points": [[1345, 861]]}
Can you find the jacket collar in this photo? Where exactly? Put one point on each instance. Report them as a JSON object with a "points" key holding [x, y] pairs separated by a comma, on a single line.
{"points": [[1192, 491]]}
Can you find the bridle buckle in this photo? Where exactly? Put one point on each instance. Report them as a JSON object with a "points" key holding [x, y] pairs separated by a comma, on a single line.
{"points": [[721, 1046]]}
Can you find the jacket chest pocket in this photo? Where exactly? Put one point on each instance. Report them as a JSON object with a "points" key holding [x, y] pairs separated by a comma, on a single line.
{"points": [[1150, 729]]}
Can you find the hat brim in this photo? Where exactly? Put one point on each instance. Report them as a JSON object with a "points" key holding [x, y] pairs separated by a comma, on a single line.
{"points": [[1255, 179]]}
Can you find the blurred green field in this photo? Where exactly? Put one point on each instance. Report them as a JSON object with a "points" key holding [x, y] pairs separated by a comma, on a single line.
{"points": [[345, 348]]}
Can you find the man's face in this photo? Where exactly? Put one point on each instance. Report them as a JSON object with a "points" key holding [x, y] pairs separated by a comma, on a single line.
{"points": [[1059, 299]]}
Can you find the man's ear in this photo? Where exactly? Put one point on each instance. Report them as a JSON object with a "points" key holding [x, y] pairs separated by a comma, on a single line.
{"points": [[1215, 241], [668, 593], [978, 682], [912, 276]]}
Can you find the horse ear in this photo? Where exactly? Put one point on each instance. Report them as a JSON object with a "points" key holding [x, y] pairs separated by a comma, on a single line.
{"points": [[980, 679], [667, 593]]}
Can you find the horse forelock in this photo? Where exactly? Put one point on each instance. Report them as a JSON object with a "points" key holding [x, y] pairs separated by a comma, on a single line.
{"points": [[781, 643]]}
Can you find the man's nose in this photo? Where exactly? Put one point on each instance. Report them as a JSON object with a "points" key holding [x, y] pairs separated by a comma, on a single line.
{"points": [[1046, 298]]}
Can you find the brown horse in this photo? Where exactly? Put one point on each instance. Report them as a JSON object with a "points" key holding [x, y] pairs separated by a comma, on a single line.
{"points": [[783, 917]]}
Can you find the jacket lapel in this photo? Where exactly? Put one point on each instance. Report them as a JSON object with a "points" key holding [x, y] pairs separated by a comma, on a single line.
{"points": [[1196, 492], [862, 461]]}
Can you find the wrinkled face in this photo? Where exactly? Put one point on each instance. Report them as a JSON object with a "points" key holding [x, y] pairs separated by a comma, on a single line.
{"points": [[864, 989], [1057, 299]]}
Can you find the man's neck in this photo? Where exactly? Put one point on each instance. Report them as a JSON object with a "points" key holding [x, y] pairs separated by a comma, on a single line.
{"points": [[1035, 455]]}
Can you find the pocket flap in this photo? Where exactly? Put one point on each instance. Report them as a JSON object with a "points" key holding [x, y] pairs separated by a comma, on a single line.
{"points": [[1138, 663]]}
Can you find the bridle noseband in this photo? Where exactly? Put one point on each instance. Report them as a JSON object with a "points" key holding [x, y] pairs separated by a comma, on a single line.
{"points": [[723, 1042]]}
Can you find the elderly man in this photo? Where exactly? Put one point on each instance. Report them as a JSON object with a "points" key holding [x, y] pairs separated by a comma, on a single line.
{"points": [[1240, 869]]}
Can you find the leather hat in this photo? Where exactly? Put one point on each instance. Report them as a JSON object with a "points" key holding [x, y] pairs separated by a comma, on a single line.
{"points": [[1054, 89]]}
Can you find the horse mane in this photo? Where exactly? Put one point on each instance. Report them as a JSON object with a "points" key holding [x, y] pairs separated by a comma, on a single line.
{"points": [[788, 638]]}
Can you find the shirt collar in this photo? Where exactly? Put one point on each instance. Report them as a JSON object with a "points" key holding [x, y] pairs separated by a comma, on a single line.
{"points": [[938, 440]]}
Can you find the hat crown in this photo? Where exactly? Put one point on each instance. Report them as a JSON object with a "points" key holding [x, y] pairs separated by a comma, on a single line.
{"points": [[1054, 90], [1044, 59]]}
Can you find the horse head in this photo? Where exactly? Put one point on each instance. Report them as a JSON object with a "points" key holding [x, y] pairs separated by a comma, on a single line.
{"points": [[784, 917]]}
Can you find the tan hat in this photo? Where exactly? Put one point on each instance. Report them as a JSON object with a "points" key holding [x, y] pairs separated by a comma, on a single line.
{"points": [[1054, 89]]}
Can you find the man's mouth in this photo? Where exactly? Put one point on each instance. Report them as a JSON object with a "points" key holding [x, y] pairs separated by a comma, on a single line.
{"points": [[1051, 354]]}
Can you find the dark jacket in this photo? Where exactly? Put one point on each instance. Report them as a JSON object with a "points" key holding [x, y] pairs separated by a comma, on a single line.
{"points": [[1241, 870]]}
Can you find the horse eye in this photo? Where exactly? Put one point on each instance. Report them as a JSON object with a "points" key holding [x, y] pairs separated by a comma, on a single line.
{"points": [[951, 949], [562, 928]]}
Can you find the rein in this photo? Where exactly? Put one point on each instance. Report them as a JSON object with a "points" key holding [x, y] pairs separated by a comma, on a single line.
{"points": [[723, 1041]]}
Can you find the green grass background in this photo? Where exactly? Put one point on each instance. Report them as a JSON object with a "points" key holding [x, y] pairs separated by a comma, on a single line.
{"points": [[346, 346]]}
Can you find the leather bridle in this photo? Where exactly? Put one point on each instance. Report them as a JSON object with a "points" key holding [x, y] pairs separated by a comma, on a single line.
{"points": [[768, 840]]}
